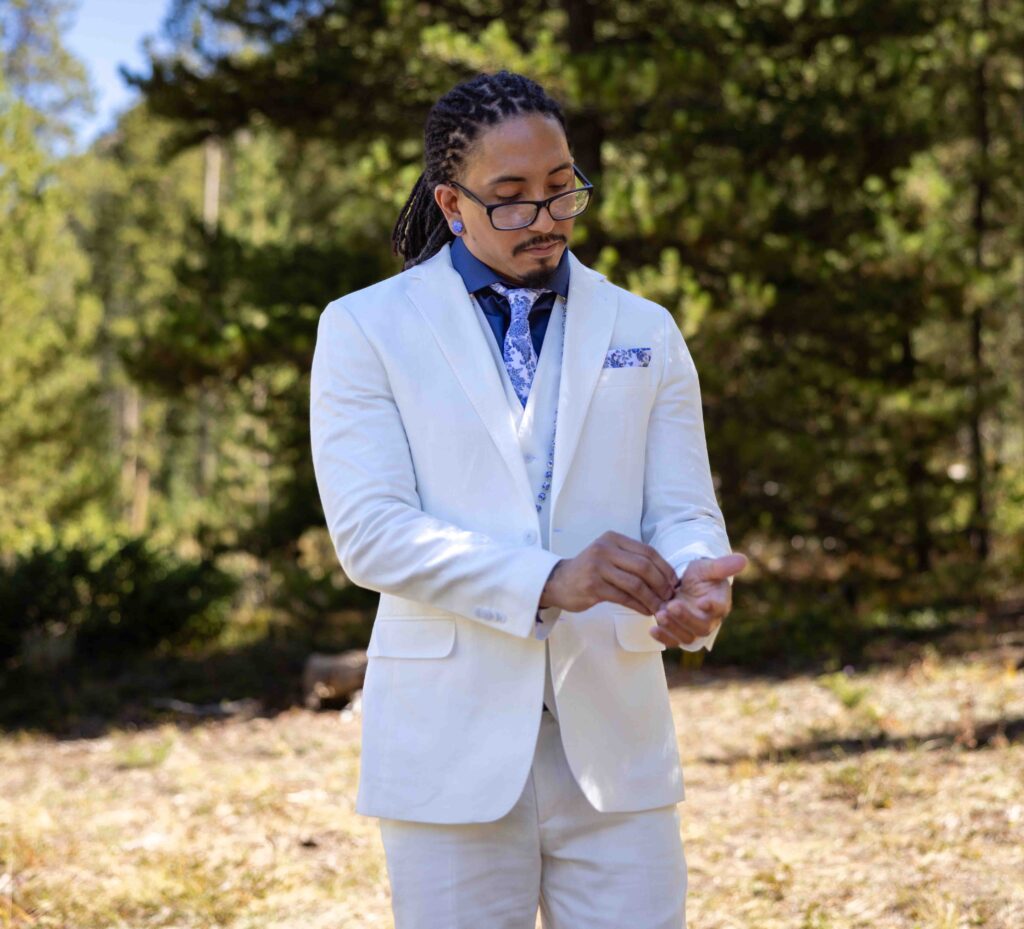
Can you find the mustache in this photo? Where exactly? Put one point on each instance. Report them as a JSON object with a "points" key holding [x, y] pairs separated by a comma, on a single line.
{"points": [[533, 243]]}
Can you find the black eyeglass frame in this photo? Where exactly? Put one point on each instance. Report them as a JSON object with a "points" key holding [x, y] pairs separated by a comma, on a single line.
{"points": [[537, 204]]}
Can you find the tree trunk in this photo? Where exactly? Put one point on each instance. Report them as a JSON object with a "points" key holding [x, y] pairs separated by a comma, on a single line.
{"points": [[979, 530], [585, 124], [916, 473], [206, 455]]}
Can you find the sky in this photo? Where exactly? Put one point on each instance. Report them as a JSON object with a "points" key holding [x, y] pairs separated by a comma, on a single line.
{"points": [[103, 35]]}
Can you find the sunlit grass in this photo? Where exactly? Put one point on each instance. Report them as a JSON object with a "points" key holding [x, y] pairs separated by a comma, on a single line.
{"points": [[848, 800]]}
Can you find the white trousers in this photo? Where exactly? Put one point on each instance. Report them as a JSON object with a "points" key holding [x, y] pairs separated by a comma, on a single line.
{"points": [[585, 869]]}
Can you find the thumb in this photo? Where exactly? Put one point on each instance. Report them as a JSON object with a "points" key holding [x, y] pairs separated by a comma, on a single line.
{"points": [[721, 568]]}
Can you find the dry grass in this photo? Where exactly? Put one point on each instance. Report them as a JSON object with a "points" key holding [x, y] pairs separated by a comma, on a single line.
{"points": [[889, 798]]}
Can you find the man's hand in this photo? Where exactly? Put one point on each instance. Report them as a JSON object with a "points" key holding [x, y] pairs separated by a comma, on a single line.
{"points": [[613, 567], [702, 600]]}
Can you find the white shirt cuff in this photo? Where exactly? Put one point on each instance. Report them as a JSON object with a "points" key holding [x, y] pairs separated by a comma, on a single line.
{"points": [[546, 619]]}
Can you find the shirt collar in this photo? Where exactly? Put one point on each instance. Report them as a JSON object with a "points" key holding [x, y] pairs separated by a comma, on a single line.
{"points": [[476, 275]]}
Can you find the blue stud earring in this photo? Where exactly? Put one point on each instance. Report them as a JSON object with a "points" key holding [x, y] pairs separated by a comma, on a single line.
{"points": [[457, 226]]}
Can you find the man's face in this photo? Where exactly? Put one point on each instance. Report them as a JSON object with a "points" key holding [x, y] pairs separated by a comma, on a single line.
{"points": [[521, 158]]}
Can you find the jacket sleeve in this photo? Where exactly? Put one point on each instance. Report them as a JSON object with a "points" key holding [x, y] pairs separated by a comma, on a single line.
{"points": [[367, 485], [681, 517]]}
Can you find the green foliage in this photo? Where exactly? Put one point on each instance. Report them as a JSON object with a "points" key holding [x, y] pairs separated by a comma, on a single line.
{"points": [[325, 610], [846, 692], [109, 603], [39, 69], [39, 592], [780, 624], [777, 175], [140, 600], [54, 467], [826, 196]]}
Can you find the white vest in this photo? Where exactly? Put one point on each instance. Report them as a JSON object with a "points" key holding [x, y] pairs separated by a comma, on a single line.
{"points": [[534, 423]]}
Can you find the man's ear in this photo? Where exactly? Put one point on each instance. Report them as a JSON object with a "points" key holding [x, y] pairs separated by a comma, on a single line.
{"points": [[447, 198]]}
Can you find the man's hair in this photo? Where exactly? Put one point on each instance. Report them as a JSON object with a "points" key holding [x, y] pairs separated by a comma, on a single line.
{"points": [[452, 126]]}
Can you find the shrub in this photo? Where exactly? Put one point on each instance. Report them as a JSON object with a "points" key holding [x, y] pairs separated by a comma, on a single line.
{"points": [[115, 603]]}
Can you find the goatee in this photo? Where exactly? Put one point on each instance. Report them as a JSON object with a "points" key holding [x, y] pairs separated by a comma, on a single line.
{"points": [[537, 279]]}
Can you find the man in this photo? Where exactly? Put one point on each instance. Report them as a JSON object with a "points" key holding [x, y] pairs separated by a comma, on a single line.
{"points": [[511, 450]]}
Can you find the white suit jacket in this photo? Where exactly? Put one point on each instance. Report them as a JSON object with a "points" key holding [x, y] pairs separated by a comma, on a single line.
{"points": [[427, 501]]}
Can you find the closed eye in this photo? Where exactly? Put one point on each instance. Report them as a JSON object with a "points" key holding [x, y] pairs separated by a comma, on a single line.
{"points": [[559, 188]]}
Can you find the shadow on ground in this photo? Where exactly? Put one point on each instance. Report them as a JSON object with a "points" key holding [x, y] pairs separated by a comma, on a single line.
{"points": [[996, 734]]}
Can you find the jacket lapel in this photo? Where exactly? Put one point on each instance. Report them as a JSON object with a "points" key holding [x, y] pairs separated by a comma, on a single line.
{"points": [[591, 309], [436, 290]]}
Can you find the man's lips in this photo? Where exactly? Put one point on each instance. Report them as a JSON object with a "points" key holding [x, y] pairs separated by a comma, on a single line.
{"points": [[544, 249]]}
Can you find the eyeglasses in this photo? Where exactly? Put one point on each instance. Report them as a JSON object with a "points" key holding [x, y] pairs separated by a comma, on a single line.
{"points": [[518, 214]]}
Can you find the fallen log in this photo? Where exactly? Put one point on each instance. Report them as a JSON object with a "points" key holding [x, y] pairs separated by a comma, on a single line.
{"points": [[332, 677]]}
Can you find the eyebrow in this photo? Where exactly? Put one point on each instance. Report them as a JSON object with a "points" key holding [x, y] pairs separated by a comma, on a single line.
{"points": [[511, 177]]}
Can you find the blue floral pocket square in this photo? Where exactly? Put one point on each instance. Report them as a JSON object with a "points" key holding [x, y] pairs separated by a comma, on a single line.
{"points": [[628, 358]]}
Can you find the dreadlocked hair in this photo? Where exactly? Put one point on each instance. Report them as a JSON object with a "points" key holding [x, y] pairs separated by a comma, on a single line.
{"points": [[452, 126]]}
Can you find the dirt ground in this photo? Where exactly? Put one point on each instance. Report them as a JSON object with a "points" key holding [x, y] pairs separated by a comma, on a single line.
{"points": [[886, 797]]}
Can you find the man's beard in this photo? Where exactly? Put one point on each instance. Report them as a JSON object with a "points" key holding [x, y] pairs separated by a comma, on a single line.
{"points": [[540, 277], [537, 279]]}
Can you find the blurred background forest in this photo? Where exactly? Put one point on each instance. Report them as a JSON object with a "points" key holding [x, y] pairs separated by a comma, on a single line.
{"points": [[829, 197]]}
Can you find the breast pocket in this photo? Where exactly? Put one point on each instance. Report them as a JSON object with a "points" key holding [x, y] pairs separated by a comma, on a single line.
{"points": [[412, 637], [631, 632]]}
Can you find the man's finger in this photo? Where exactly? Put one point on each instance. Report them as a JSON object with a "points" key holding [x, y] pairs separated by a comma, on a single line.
{"points": [[681, 610], [721, 568], [660, 635], [714, 604], [671, 638], [612, 594], [685, 632], [644, 568], [649, 551], [696, 622], [634, 587]]}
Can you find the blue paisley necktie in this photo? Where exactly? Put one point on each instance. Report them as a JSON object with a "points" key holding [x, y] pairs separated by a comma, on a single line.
{"points": [[519, 354]]}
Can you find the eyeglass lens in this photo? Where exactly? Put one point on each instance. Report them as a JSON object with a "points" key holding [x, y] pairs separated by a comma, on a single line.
{"points": [[517, 215]]}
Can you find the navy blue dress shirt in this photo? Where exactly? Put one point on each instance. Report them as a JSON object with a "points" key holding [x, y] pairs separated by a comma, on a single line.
{"points": [[478, 277]]}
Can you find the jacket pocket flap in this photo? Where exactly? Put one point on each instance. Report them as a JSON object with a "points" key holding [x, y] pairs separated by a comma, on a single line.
{"points": [[412, 637], [631, 631]]}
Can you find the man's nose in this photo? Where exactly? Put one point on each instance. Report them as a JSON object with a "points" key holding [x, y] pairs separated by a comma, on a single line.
{"points": [[543, 223]]}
